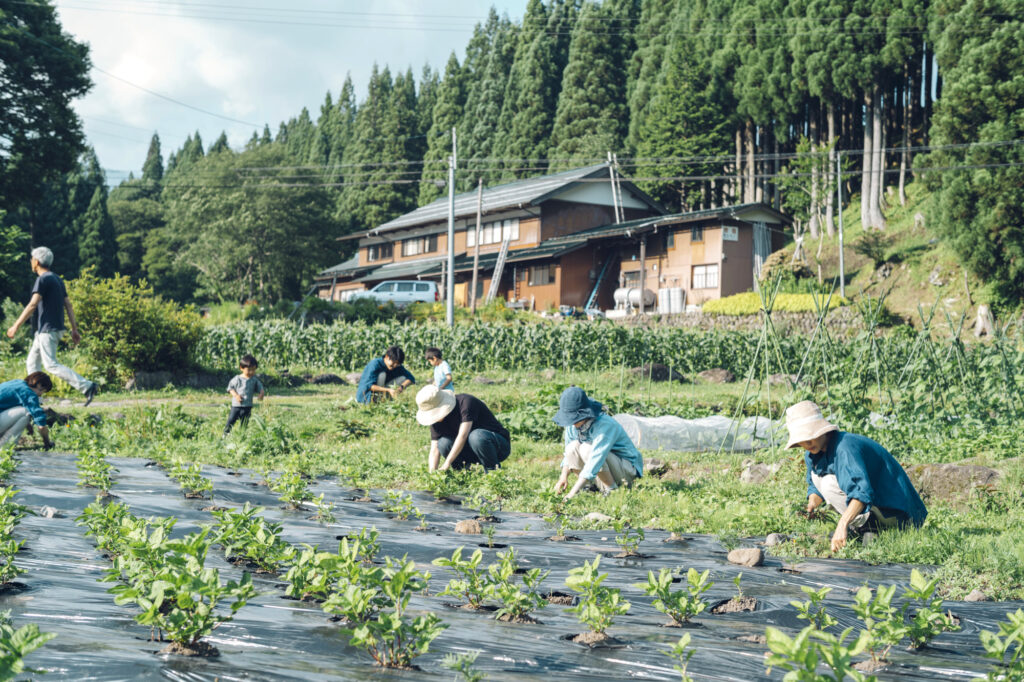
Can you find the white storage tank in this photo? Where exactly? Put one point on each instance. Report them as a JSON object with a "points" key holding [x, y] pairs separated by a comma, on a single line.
{"points": [[676, 300]]}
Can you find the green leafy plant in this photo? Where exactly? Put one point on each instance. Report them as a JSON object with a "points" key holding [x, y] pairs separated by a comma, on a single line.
{"points": [[489, 534], [105, 522], [312, 574], [598, 605], [739, 589], [291, 486], [516, 603], [801, 655], [324, 510], [94, 471], [813, 610], [11, 514], [444, 484], [8, 462], [883, 623], [182, 600], [1008, 642], [15, 645], [399, 504], [681, 653], [929, 620], [471, 581], [190, 478], [247, 536], [462, 664], [485, 508], [628, 539], [393, 639], [679, 605]]}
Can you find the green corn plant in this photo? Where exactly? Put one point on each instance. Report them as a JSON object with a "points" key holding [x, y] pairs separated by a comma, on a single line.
{"points": [[882, 622], [393, 639], [15, 645], [471, 581], [1005, 647], [681, 653], [191, 480], [801, 655], [516, 603], [813, 610], [929, 620], [679, 605], [598, 605], [462, 664], [182, 600], [628, 539]]}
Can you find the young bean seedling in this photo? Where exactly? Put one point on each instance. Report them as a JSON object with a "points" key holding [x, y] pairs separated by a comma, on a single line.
{"points": [[883, 623], [1009, 641], [15, 645], [516, 604], [399, 504], [628, 539], [813, 610], [471, 581], [679, 605], [598, 605], [802, 654], [681, 653], [191, 480], [94, 471], [929, 621], [462, 664]]}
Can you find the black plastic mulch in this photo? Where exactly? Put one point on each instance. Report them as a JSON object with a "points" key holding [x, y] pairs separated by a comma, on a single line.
{"points": [[279, 639]]}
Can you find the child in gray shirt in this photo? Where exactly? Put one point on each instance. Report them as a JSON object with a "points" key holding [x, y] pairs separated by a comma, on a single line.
{"points": [[242, 389]]}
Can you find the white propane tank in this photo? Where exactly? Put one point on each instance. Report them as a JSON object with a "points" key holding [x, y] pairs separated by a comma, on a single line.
{"points": [[630, 296], [676, 299]]}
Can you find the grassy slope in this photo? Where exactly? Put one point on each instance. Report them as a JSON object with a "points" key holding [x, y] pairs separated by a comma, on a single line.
{"points": [[914, 253], [318, 429]]}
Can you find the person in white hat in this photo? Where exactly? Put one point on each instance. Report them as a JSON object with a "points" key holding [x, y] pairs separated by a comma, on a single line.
{"points": [[463, 430], [855, 475]]}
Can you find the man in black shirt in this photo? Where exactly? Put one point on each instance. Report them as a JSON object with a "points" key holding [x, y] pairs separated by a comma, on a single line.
{"points": [[463, 430], [49, 301]]}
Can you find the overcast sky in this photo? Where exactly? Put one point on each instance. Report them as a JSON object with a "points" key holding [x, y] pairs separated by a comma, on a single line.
{"points": [[244, 62]]}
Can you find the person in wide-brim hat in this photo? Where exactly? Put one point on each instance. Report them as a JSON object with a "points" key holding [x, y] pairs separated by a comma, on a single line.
{"points": [[856, 476], [463, 430], [597, 448]]}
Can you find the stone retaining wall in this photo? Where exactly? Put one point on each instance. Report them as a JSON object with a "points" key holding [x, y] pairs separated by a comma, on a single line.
{"points": [[844, 321]]}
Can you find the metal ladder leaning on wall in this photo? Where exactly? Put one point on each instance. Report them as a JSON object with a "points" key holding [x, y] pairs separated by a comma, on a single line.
{"points": [[597, 283], [499, 268]]}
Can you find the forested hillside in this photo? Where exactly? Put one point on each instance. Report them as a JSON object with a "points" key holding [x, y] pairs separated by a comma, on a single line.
{"points": [[704, 102]]}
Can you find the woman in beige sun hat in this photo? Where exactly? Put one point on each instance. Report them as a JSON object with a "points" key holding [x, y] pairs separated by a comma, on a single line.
{"points": [[856, 476], [463, 430]]}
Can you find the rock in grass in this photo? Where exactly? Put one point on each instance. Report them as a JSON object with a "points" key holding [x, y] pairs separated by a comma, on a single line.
{"points": [[976, 595], [48, 512], [327, 379], [951, 481], [758, 473], [353, 377], [469, 527], [717, 376], [774, 539], [598, 517], [748, 556], [657, 372]]}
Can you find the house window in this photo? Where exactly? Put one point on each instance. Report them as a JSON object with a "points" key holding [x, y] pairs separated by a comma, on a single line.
{"points": [[631, 278], [670, 239], [376, 252], [696, 234], [705, 276], [418, 245], [494, 232], [541, 275]]}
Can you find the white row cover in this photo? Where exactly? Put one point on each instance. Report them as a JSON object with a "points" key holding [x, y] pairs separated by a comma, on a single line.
{"points": [[699, 435]]}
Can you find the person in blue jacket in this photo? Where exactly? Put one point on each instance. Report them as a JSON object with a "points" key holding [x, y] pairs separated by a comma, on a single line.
{"points": [[19, 404], [384, 376], [855, 475], [597, 448]]}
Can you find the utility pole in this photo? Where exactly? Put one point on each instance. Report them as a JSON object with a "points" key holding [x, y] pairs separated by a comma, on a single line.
{"points": [[476, 242], [611, 180], [450, 295], [839, 207]]}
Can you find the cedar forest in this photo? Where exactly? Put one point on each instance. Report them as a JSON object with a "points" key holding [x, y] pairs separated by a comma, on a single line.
{"points": [[704, 102]]}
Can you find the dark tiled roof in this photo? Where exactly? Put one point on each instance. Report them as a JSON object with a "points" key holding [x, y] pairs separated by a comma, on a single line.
{"points": [[345, 269], [488, 260], [509, 195], [402, 270]]}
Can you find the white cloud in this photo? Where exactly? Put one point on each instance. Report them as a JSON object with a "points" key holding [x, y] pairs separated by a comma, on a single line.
{"points": [[261, 65]]}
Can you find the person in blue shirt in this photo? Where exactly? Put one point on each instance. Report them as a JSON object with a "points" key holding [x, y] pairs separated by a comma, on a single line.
{"points": [[384, 376], [442, 370], [597, 448], [19, 404], [855, 475]]}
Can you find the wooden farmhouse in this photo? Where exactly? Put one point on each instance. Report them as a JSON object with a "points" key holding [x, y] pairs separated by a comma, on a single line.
{"points": [[565, 246]]}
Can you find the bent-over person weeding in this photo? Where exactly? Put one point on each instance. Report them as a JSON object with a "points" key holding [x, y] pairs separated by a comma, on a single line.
{"points": [[463, 430], [597, 448], [19, 406], [855, 475], [384, 376]]}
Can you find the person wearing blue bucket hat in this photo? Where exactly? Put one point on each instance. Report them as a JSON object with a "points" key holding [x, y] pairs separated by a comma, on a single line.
{"points": [[597, 448]]}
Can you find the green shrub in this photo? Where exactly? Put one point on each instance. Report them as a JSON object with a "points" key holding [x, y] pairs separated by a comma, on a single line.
{"points": [[749, 303], [125, 327]]}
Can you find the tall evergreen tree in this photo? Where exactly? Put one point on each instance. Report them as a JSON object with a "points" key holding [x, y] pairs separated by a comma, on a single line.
{"points": [[652, 37], [524, 131], [97, 244], [483, 108], [153, 166], [591, 118], [447, 113], [220, 144], [426, 98]]}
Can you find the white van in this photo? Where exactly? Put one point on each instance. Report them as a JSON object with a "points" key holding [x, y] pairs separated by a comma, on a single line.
{"points": [[402, 292]]}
